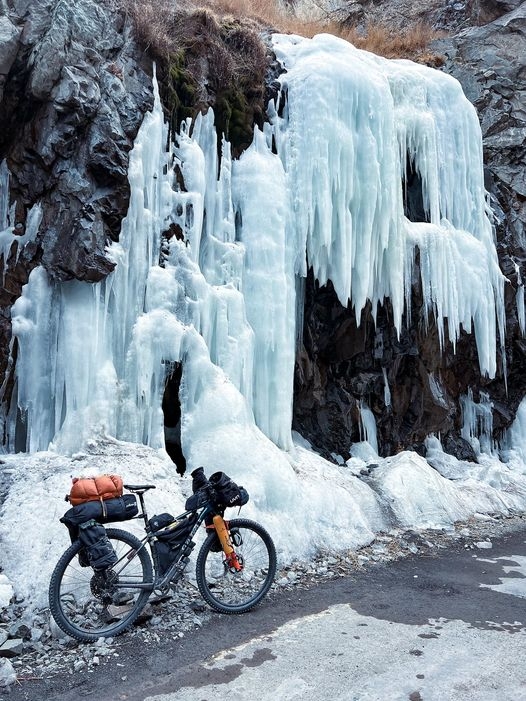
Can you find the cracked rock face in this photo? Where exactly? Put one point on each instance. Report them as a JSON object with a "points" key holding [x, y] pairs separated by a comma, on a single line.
{"points": [[73, 94]]}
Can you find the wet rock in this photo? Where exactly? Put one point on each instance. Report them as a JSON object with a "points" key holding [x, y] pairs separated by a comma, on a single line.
{"points": [[79, 665], [21, 631], [9, 45], [12, 647], [485, 11], [7, 673]]}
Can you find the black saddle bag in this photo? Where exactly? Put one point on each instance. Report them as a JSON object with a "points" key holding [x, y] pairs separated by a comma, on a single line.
{"points": [[107, 511]]}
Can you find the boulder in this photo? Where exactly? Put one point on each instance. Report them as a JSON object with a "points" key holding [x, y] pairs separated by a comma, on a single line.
{"points": [[485, 11]]}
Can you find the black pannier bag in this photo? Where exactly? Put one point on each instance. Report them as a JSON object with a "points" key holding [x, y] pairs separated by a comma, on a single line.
{"points": [[171, 537], [108, 511], [97, 551], [228, 492]]}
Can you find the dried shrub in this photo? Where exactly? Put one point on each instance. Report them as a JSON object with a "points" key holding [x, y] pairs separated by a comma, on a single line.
{"points": [[154, 24], [163, 27], [213, 54], [380, 39], [392, 43]]}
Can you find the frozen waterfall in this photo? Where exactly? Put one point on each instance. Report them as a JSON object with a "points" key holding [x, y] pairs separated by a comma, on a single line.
{"points": [[206, 276]]}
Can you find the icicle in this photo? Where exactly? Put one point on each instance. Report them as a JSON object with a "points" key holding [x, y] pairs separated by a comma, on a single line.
{"points": [[7, 231], [477, 422], [351, 123], [387, 391], [368, 426], [4, 195], [514, 439], [519, 300], [238, 235]]}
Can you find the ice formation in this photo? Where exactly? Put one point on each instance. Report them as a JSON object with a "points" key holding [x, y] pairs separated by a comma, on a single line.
{"points": [[519, 298], [10, 235], [477, 422], [321, 186], [368, 426]]}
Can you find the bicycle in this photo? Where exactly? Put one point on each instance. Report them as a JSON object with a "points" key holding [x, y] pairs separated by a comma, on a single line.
{"points": [[235, 568]]}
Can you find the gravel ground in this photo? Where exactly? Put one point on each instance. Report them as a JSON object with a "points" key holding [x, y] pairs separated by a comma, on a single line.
{"points": [[41, 651]]}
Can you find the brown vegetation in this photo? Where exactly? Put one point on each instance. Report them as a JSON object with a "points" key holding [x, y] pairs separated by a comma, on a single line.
{"points": [[212, 54], [380, 39]]}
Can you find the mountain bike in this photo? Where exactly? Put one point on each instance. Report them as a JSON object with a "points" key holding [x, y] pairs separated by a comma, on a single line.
{"points": [[235, 567]]}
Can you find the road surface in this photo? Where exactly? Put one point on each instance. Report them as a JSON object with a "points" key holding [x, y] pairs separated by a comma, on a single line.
{"points": [[446, 628]]}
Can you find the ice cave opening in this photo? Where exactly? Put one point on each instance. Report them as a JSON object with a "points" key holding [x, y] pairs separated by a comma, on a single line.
{"points": [[171, 406], [413, 193]]}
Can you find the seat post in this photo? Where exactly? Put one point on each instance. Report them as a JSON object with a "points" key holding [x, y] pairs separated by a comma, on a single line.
{"points": [[143, 513]]}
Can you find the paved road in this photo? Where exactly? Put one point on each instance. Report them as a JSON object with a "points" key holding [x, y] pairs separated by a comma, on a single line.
{"points": [[449, 628]]}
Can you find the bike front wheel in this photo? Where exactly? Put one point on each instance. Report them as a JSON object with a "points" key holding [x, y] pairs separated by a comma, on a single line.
{"points": [[230, 591], [89, 604]]}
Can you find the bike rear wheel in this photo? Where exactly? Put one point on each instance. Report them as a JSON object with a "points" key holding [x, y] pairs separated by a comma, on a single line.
{"points": [[229, 591], [87, 604]]}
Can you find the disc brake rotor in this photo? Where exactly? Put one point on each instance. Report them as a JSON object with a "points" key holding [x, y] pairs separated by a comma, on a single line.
{"points": [[102, 584]]}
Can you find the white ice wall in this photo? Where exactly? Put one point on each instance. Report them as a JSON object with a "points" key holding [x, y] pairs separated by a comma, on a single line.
{"points": [[322, 186], [351, 121]]}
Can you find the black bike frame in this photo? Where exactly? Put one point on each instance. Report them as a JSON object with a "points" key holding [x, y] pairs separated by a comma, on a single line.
{"points": [[183, 552]]}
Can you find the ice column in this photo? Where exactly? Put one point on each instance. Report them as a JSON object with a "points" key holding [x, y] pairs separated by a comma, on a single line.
{"points": [[321, 187], [514, 439], [350, 124], [368, 426], [214, 294], [268, 284], [477, 421], [82, 333]]}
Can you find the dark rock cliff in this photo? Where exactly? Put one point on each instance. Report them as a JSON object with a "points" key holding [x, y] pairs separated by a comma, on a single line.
{"points": [[73, 94]]}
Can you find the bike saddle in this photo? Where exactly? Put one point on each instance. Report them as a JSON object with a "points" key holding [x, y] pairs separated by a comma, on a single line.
{"points": [[138, 487]]}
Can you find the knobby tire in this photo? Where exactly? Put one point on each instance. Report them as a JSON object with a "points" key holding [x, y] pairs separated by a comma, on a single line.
{"points": [[237, 592], [83, 608]]}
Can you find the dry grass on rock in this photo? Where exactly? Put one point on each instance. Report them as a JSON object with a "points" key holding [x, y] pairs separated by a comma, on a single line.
{"points": [[163, 25], [212, 54]]}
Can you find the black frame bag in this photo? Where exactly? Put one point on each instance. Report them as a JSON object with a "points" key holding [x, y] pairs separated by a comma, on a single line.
{"points": [[171, 539]]}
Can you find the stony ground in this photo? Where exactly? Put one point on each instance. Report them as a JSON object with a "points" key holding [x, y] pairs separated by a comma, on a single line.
{"points": [[42, 650]]}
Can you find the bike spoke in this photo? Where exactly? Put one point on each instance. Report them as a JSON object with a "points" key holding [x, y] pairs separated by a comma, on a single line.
{"points": [[88, 604], [227, 589]]}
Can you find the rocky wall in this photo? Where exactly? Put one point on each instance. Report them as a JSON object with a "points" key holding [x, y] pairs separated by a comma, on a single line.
{"points": [[74, 86]]}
